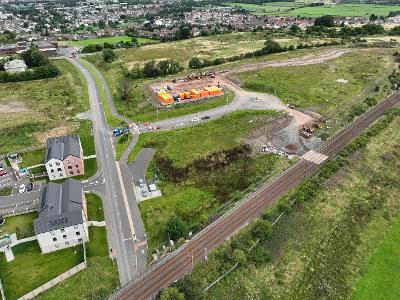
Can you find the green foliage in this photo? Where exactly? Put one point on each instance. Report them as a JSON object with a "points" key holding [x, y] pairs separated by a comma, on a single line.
{"points": [[171, 293], [395, 31], [33, 57], [261, 230], [175, 228], [46, 71], [92, 48], [109, 55], [325, 21], [161, 68]]}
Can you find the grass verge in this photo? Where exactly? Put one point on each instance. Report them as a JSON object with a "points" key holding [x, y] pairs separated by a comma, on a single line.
{"points": [[94, 207]]}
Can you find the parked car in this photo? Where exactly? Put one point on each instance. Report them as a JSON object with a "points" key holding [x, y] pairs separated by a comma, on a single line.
{"points": [[22, 188], [205, 117], [141, 182], [2, 220], [145, 193], [2, 173], [29, 186], [194, 120], [157, 127]]}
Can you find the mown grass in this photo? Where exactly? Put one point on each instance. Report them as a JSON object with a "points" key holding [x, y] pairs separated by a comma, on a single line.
{"points": [[298, 85], [321, 248], [94, 207], [111, 40], [100, 278], [380, 279], [121, 143], [22, 225], [5, 191], [31, 268], [46, 106]]}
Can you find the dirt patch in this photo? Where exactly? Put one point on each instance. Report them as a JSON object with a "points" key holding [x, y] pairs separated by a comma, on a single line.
{"points": [[12, 106], [258, 138], [291, 148], [58, 131]]}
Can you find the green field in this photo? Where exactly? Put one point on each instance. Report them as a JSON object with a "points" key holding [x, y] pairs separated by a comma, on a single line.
{"points": [[380, 279], [31, 111], [298, 85], [94, 207], [22, 225], [297, 9], [30, 268], [111, 40], [100, 278], [194, 194], [322, 248]]}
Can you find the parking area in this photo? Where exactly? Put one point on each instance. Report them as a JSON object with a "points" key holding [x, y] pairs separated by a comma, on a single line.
{"points": [[146, 190], [7, 177]]}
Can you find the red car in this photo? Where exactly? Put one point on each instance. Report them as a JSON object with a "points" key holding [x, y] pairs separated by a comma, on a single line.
{"points": [[2, 173]]}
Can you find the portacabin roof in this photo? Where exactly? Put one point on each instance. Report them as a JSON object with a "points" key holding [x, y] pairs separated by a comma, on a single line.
{"points": [[60, 206], [63, 146]]}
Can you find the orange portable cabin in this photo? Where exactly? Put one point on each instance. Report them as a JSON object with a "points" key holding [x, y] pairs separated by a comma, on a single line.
{"points": [[166, 98], [204, 93], [182, 96], [194, 94], [213, 90], [187, 95]]}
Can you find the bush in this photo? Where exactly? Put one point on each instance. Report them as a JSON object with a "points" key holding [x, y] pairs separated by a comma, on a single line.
{"points": [[109, 55], [92, 48], [48, 71], [33, 57], [325, 21], [175, 228]]}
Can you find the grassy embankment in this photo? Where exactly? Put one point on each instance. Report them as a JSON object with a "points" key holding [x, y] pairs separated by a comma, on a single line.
{"points": [[326, 96], [323, 246], [297, 9], [193, 190], [22, 225]]}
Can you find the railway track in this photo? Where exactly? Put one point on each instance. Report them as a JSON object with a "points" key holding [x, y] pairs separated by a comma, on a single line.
{"points": [[181, 262]]}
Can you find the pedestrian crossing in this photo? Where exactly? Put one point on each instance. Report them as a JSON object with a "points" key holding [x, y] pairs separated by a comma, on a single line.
{"points": [[314, 157]]}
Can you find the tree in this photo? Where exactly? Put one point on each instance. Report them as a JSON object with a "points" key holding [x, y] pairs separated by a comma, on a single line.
{"points": [[325, 21], [195, 63], [125, 89], [183, 33], [373, 17], [395, 31], [294, 29], [238, 256], [33, 57], [272, 47], [109, 55], [261, 230], [175, 228], [171, 293]]}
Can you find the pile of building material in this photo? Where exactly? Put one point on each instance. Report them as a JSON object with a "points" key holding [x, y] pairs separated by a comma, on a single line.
{"points": [[307, 129]]}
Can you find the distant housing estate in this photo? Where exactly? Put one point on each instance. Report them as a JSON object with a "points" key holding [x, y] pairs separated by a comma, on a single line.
{"points": [[64, 157], [62, 220]]}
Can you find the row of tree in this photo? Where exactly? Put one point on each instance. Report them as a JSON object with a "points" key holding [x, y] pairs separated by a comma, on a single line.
{"points": [[154, 69], [47, 71], [270, 47]]}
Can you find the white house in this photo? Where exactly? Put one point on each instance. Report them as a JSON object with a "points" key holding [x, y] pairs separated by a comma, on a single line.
{"points": [[62, 220], [15, 66]]}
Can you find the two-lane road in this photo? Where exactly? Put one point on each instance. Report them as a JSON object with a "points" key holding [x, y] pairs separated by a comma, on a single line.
{"points": [[123, 238]]}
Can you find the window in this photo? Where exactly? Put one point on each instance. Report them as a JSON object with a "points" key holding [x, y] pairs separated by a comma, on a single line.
{"points": [[61, 175], [76, 226], [66, 243], [68, 162], [64, 236], [79, 240], [59, 169], [77, 171], [78, 233], [52, 170], [54, 239], [56, 245], [62, 230], [52, 232], [57, 163], [71, 173], [50, 165]]}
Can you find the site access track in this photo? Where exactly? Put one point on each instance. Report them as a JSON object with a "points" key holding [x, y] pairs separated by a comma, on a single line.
{"points": [[181, 262]]}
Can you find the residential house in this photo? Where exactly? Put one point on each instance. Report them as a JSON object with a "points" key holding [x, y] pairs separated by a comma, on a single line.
{"points": [[15, 66], [62, 220], [64, 157]]}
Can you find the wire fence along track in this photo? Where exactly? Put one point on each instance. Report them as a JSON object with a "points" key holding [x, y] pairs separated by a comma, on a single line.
{"points": [[179, 263]]}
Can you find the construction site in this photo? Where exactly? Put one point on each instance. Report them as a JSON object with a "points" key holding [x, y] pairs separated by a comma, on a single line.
{"points": [[185, 89]]}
